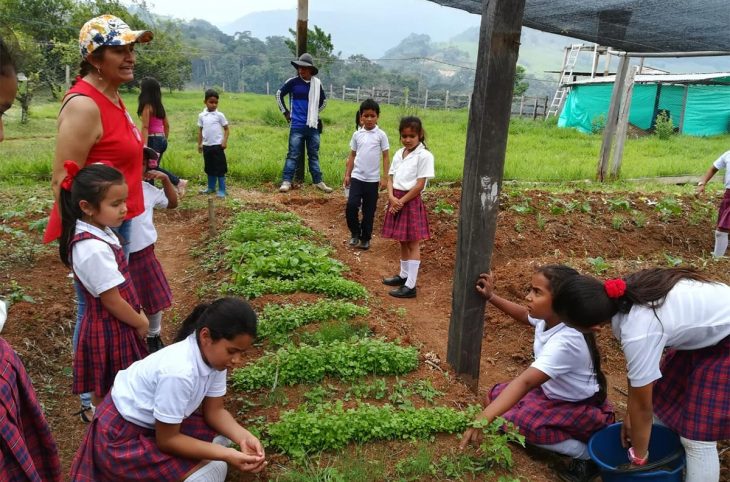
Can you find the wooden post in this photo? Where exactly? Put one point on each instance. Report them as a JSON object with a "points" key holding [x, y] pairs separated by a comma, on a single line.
{"points": [[358, 95], [388, 95], [623, 123], [425, 102], [534, 112], [211, 217], [545, 107], [407, 91], [486, 144], [343, 92], [302, 14], [267, 87], [332, 92], [68, 76], [522, 103], [612, 118], [446, 100], [594, 64], [684, 108]]}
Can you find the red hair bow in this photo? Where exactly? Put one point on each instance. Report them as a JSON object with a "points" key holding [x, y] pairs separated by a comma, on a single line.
{"points": [[615, 288], [72, 169]]}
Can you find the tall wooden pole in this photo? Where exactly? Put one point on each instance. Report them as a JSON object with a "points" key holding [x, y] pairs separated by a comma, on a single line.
{"points": [[486, 144], [302, 18], [609, 131]]}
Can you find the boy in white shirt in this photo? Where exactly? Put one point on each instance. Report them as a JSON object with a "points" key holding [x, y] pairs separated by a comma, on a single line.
{"points": [[363, 176], [212, 142]]}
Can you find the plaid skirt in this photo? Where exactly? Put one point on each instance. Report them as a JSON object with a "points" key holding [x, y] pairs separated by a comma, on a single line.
{"points": [[693, 395], [545, 421], [114, 449], [723, 214], [408, 224], [149, 280]]}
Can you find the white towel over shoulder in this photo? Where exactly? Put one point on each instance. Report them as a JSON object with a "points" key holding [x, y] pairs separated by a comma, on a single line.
{"points": [[313, 109]]}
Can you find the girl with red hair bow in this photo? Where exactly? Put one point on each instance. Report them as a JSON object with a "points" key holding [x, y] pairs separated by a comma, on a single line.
{"points": [[688, 388]]}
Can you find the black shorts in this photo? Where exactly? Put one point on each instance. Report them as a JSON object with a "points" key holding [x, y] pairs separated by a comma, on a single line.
{"points": [[215, 161]]}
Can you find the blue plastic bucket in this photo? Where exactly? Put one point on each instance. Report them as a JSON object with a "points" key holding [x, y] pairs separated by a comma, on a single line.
{"points": [[606, 451]]}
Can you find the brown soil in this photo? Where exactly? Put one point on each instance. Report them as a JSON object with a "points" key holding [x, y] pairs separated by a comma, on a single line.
{"points": [[626, 239]]}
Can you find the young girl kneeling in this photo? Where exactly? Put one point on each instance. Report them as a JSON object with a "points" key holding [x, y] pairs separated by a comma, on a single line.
{"points": [[161, 417], [560, 400]]}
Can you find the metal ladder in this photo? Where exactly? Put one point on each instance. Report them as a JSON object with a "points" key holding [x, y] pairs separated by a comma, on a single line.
{"points": [[565, 77]]}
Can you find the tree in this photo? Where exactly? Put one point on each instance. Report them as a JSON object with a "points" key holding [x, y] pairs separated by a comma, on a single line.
{"points": [[521, 85], [319, 45]]}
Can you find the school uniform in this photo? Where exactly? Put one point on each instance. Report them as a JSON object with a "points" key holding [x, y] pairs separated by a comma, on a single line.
{"points": [[368, 146], [27, 449], [214, 156], [411, 222], [149, 279], [168, 386], [106, 345], [692, 390], [723, 215], [566, 406]]}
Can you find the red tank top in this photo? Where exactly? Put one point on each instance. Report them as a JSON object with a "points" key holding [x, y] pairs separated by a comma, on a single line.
{"points": [[120, 144]]}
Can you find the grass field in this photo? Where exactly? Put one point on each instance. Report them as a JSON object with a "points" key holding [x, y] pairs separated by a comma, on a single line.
{"points": [[537, 151]]}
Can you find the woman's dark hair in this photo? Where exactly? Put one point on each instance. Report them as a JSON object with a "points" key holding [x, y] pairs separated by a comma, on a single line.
{"points": [[150, 94], [357, 119], [7, 60], [211, 93], [558, 275], [91, 185], [413, 122], [225, 318], [583, 300], [86, 67]]}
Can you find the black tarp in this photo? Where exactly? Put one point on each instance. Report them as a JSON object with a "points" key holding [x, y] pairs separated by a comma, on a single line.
{"points": [[629, 25]]}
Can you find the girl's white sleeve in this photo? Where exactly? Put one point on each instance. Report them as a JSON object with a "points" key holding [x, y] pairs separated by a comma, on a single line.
{"points": [[425, 165], [96, 267]]}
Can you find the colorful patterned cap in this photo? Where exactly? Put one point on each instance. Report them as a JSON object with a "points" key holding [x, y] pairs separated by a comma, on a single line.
{"points": [[107, 30]]}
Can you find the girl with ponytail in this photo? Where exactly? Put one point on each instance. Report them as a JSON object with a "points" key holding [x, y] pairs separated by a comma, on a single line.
{"points": [[167, 409], [674, 329], [560, 400]]}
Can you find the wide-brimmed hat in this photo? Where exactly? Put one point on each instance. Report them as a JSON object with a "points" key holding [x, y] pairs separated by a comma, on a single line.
{"points": [[106, 30], [305, 60]]}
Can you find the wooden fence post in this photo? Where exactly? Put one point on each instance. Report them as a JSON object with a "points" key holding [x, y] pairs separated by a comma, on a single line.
{"points": [[534, 113], [446, 100], [332, 92], [522, 103], [388, 95], [343, 92], [425, 102], [545, 107], [267, 87], [358, 95]]}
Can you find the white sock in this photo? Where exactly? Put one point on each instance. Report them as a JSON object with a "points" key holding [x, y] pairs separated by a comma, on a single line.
{"points": [[213, 471], [703, 461], [571, 447], [403, 268], [720, 244], [155, 324], [222, 440], [413, 265]]}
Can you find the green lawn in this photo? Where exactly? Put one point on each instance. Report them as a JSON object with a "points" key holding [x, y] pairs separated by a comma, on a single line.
{"points": [[537, 151]]}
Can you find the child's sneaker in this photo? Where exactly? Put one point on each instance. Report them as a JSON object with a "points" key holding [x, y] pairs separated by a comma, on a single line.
{"points": [[154, 343], [182, 187], [205, 191], [323, 187], [579, 471], [221, 194], [86, 413], [285, 186]]}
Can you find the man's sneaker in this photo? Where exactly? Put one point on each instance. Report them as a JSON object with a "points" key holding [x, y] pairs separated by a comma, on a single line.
{"points": [[323, 187], [182, 187], [86, 414], [579, 471], [285, 186]]}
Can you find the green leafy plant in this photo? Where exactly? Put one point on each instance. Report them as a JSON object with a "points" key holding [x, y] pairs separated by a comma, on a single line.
{"points": [[443, 207], [377, 389], [672, 261], [271, 225], [328, 285], [598, 124], [618, 204], [348, 360], [664, 126], [281, 319], [638, 218], [16, 293], [617, 222], [497, 435], [599, 265], [333, 331], [669, 207], [582, 206]]}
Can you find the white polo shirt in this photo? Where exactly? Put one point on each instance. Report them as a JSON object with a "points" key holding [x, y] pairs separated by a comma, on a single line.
{"points": [[212, 124], [93, 261], [168, 385], [143, 228], [406, 172], [368, 146], [694, 315], [722, 163], [562, 354]]}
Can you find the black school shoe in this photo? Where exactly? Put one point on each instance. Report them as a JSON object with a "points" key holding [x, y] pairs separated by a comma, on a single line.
{"points": [[579, 471], [403, 292], [394, 281], [154, 343], [365, 245], [354, 241]]}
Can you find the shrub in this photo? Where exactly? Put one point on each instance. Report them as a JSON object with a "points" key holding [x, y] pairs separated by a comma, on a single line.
{"points": [[664, 127]]}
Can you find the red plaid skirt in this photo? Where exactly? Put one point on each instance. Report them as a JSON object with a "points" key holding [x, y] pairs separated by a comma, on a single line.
{"points": [[114, 449], [408, 224], [106, 345], [149, 280], [27, 449], [723, 214], [693, 395], [545, 421]]}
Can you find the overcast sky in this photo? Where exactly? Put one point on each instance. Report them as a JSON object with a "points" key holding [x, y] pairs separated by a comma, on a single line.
{"points": [[217, 12]]}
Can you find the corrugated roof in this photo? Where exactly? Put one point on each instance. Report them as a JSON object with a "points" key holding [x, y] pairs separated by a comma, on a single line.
{"points": [[716, 77], [629, 25]]}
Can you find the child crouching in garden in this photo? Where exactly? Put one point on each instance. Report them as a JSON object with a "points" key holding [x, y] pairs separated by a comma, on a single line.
{"points": [[560, 400]]}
